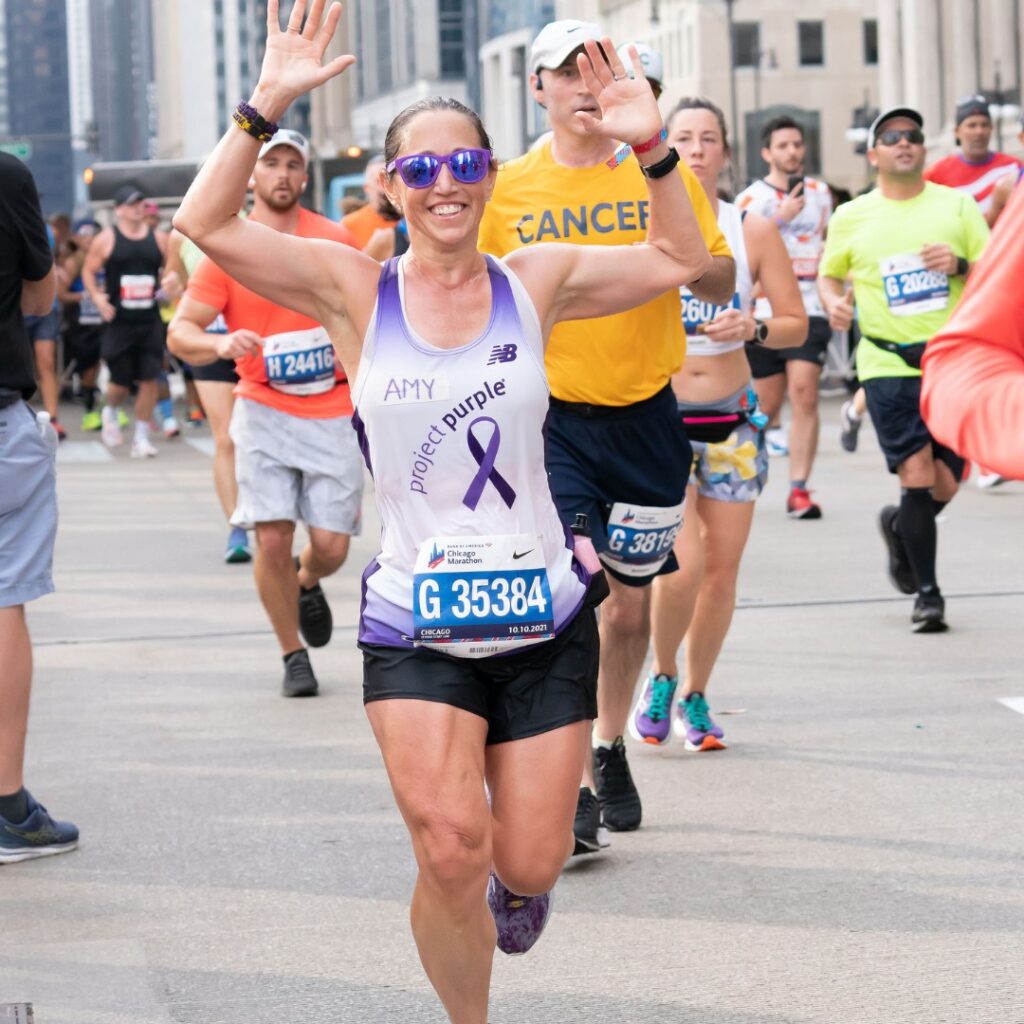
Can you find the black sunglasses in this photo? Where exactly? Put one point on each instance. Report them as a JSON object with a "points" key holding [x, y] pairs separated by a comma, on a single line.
{"points": [[892, 137]]}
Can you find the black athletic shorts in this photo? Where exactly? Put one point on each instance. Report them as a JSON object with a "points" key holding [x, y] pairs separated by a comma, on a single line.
{"points": [[895, 407], [525, 694], [767, 362], [221, 371], [133, 352], [82, 344], [601, 456]]}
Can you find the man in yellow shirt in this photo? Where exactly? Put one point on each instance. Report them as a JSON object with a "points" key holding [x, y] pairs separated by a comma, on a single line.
{"points": [[616, 447]]}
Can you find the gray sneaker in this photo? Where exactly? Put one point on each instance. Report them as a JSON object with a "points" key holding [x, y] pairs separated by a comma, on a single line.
{"points": [[299, 680]]}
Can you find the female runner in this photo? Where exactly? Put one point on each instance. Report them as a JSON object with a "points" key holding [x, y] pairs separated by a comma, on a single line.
{"points": [[719, 408], [477, 628]]}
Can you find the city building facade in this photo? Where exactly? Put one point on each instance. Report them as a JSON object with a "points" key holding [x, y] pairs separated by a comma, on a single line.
{"points": [[35, 116]]}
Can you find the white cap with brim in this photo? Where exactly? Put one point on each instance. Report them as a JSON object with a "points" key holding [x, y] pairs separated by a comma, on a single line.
{"points": [[557, 39], [650, 61], [887, 115], [287, 137]]}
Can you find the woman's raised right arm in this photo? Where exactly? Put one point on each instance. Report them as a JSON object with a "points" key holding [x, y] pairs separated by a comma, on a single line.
{"points": [[311, 276]]}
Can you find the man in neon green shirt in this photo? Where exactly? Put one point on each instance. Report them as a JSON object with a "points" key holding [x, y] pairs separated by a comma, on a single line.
{"points": [[908, 246]]}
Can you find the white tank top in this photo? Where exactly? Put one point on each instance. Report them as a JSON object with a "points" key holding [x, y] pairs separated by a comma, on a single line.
{"points": [[474, 559], [697, 311]]}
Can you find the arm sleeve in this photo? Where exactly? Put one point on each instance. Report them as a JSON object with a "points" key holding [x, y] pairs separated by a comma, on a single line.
{"points": [[209, 285], [973, 385], [36, 255]]}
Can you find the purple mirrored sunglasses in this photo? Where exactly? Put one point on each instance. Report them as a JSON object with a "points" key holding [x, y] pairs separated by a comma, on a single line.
{"points": [[420, 170]]}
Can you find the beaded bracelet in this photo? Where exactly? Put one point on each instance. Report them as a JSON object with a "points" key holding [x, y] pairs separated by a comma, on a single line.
{"points": [[249, 119]]}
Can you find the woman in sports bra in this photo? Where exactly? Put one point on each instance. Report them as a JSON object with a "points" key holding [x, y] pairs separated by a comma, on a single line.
{"points": [[719, 408], [477, 628]]}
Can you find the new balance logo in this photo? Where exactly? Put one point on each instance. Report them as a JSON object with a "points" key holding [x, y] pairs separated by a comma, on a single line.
{"points": [[502, 354]]}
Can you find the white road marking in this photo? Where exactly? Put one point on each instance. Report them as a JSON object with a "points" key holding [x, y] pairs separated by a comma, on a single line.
{"points": [[1013, 703]]}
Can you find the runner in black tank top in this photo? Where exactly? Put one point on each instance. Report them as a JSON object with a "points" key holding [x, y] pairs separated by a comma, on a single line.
{"points": [[132, 344]]}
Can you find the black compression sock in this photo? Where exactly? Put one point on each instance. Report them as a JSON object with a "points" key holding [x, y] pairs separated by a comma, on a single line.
{"points": [[916, 521], [89, 398], [14, 806]]}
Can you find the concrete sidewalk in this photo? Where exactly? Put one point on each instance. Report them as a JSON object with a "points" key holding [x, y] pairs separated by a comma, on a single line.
{"points": [[855, 856]]}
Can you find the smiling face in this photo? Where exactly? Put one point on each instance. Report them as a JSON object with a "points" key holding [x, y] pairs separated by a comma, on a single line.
{"points": [[696, 136], [448, 211], [563, 93], [279, 178], [905, 159]]}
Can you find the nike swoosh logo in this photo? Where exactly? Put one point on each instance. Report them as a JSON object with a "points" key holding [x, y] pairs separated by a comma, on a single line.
{"points": [[521, 554]]}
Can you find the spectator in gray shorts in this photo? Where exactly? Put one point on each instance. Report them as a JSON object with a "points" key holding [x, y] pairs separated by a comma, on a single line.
{"points": [[28, 506]]}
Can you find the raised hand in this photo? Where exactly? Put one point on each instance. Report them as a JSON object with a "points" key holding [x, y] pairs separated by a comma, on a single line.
{"points": [[629, 111], [294, 60]]}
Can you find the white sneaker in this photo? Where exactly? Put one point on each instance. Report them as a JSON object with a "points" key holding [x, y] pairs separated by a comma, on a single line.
{"points": [[142, 449], [110, 431], [776, 442], [172, 428], [986, 480]]}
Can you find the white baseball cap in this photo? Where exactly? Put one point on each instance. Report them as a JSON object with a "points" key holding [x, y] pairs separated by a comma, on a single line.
{"points": [[650, 61], [557, 39], [287, 137]]}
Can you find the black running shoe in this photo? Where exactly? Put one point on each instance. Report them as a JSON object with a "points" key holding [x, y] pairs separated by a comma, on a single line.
{"points": [[929, 613], [588, 820], [315, 620], [901, 573], [619, 800], [299, 680]]}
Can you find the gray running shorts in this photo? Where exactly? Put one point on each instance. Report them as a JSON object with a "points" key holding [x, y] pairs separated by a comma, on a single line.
{"points": [[295, 469], [28, 506]]}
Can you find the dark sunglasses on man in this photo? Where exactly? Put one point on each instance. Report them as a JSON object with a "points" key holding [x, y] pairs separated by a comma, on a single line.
{"points": [[893, 137]]}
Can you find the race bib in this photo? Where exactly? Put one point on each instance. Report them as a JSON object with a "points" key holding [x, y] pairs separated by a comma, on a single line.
{"points": [[138, 291], [805, 267], [219, 326], [299, 362], [910, 288], [478, 596], [697, 311], [88, 312], [640, 538]]}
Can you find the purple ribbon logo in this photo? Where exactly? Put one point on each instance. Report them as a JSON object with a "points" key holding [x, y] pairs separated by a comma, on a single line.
{"points": [[485, 460]]}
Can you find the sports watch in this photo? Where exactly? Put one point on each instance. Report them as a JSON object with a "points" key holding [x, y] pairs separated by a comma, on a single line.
{"points": [[760, 333]]}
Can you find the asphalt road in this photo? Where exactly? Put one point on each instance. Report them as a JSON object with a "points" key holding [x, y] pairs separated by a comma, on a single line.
{"points": [[854, 856]]}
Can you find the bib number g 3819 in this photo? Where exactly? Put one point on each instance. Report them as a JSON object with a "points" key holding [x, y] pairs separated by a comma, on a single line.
{"points": [[477, 596], [640, 538]]}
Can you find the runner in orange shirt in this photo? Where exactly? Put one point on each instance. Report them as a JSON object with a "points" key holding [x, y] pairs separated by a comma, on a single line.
{"points": [[972, 395], [296, 454]]}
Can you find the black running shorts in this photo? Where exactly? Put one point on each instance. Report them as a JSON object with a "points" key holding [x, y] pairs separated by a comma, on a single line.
{"points": [[525, 694], [767, 362], [133, 352], [82, 344], [600, 456], [220, 371], [895, 407]]}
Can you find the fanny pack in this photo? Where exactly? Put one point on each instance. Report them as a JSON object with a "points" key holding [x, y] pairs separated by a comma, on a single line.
{"points": [[910, 353], [712, 426]]}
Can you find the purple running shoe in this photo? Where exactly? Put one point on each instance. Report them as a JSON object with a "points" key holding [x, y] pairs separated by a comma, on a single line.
{"points": [[520, 919], [651, 719], [695, 725]]}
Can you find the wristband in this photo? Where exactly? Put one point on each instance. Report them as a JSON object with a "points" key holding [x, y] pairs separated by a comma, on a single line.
{"points": [[780, 222], [962, 266], [664, 166], [249, 119], [652, 142], [620, 155]]}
